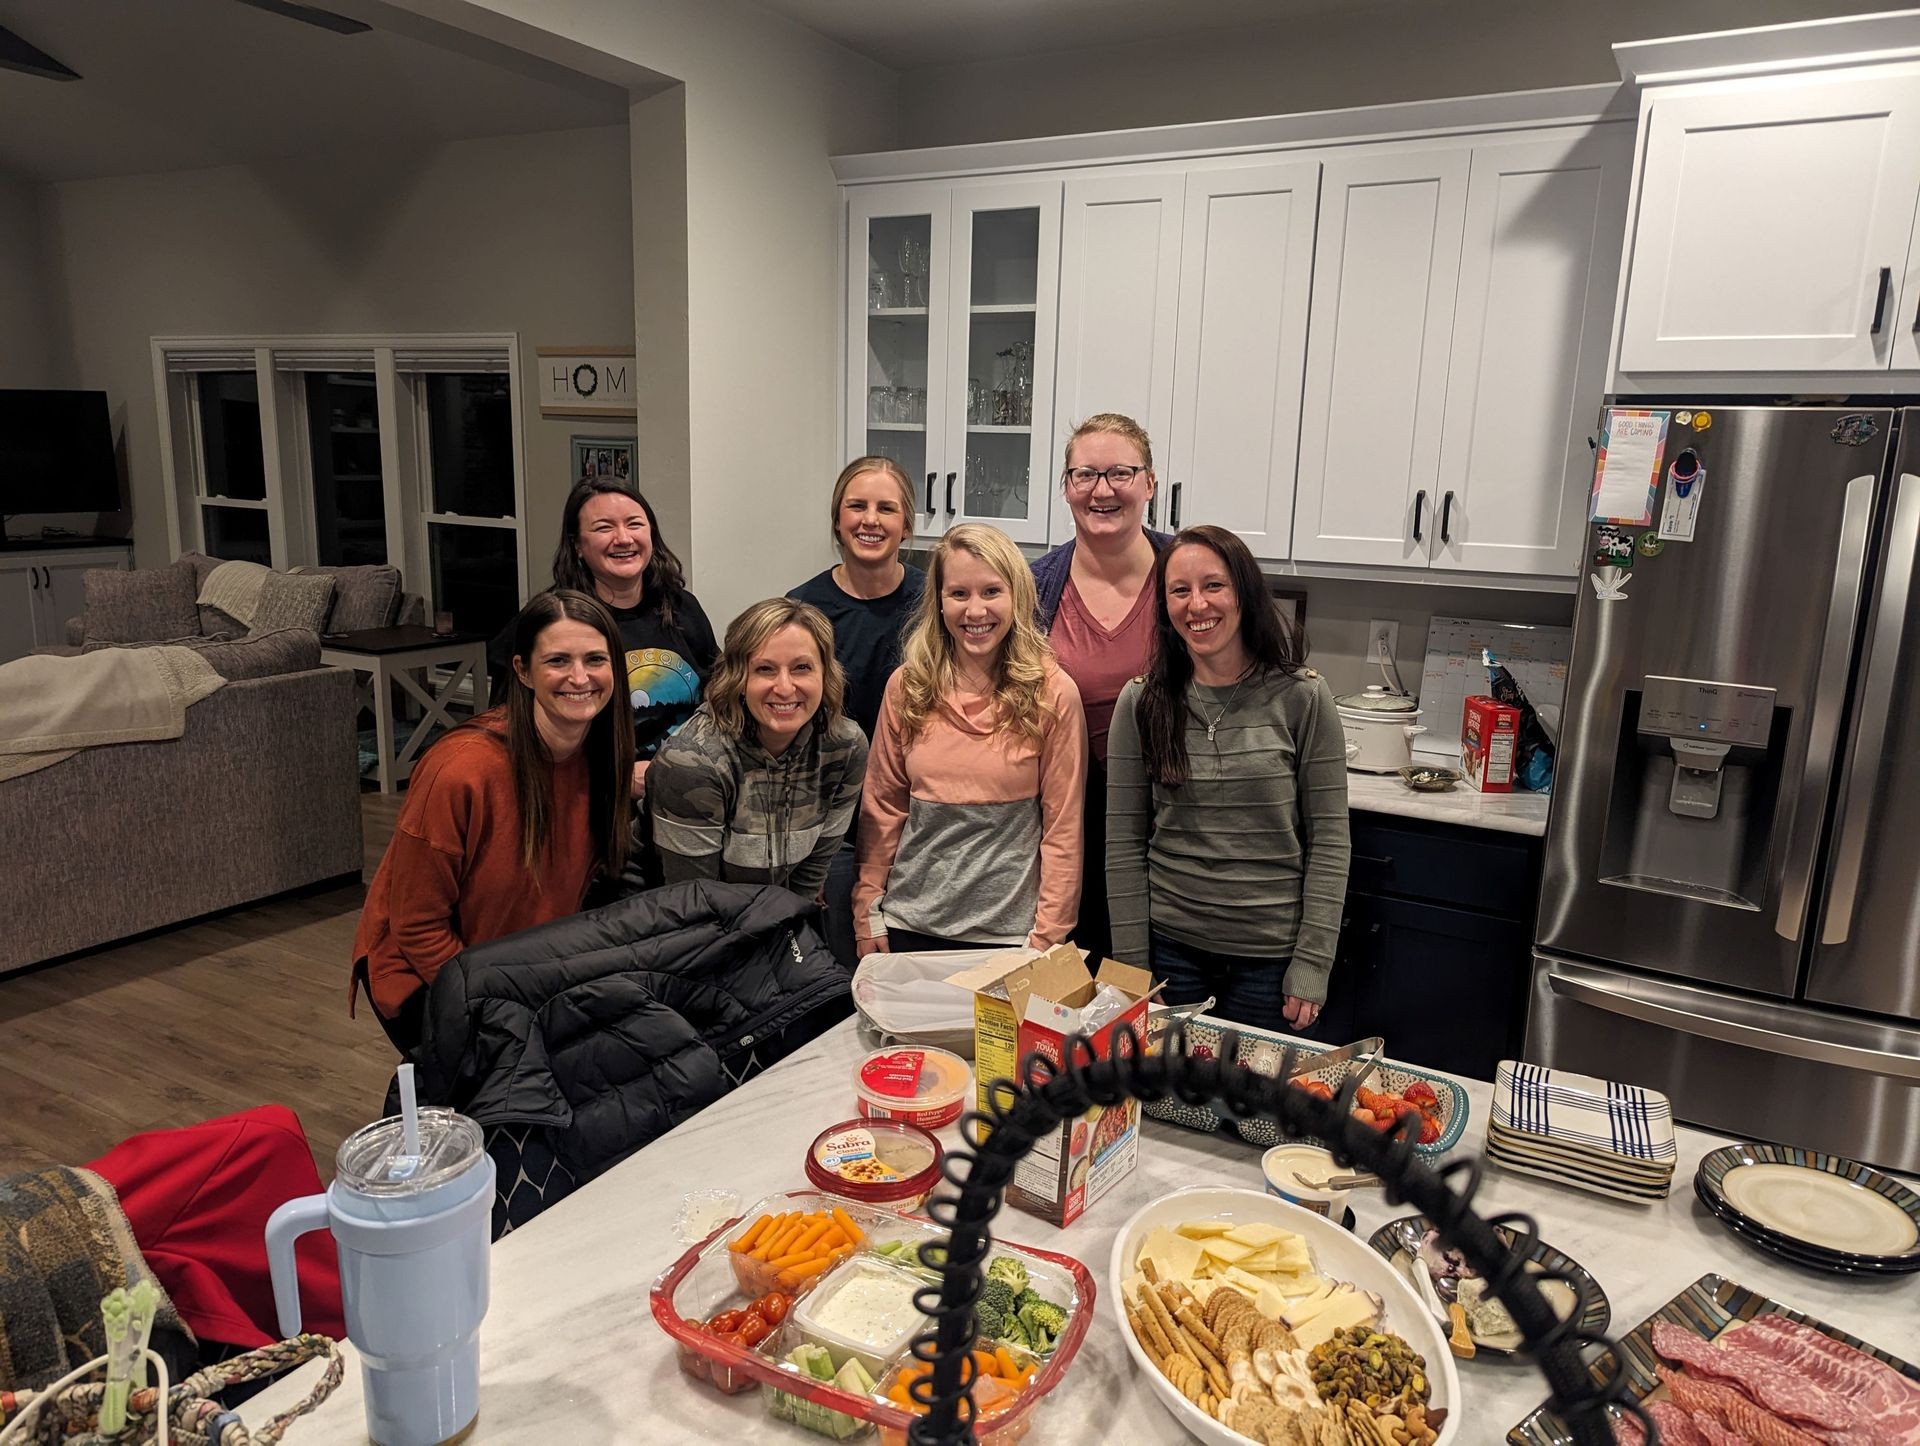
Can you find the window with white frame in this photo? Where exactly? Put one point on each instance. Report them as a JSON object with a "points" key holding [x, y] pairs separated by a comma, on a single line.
{"points": [[341, 451]]}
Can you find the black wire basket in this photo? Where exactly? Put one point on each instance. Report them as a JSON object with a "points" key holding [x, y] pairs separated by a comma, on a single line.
{"points": [[1021, 1112]]}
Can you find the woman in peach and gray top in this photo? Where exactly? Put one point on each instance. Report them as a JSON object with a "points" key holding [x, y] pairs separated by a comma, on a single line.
{"points": [[970, 832]]}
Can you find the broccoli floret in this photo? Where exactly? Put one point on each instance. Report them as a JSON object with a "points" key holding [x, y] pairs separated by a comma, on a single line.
{"points": [[1043, 1320], [1015, 1333], [992, 1311], [1005, 1267]]}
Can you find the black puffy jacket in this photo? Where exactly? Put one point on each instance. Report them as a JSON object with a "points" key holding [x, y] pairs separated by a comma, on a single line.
{"points": [[606, 1029]]}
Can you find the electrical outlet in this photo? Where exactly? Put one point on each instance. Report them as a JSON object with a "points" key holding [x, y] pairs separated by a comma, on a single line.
{"points": [[1383, 641]]}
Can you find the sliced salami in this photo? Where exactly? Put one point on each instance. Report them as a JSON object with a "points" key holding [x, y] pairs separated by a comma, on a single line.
{"points": [[1733, 1410], [1712, 1432], [1676, 1426], [1888, 1402], [1788, 1394]]}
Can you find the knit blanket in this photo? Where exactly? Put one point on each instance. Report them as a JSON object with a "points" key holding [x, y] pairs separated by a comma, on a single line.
{"points": [[51, 707], [64, 1245]]}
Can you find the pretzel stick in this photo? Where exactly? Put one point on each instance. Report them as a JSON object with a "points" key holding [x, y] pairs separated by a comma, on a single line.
{"points": [[1157, 1311], [1192, 1345]]}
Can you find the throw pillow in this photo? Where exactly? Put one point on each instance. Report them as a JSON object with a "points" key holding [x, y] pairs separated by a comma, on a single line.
{"points": [[213, 622], [290, 600], [363, 597], [264, 655], [146, 605]]}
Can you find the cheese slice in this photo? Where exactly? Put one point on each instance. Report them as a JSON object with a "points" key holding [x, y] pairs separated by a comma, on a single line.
{"points": [[1174, 1257], [1256, 1233], [1348, 1308], [1203, 1229], [1228, 1251]]}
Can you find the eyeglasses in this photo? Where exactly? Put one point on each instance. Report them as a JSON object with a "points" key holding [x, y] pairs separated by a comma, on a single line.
{"points": [[1081, 479]]}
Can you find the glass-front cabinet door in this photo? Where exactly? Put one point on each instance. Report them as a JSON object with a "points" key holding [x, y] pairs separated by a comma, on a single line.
{"points": [[896, 334], [951, 320], [1006, 259]]}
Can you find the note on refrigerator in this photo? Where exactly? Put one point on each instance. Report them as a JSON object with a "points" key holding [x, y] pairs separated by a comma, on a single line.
{"points": [[1626, 468], [1537, 656]]}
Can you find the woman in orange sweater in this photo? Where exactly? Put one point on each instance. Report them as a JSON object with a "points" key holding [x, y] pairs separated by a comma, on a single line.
{"points": [[509, 817]]}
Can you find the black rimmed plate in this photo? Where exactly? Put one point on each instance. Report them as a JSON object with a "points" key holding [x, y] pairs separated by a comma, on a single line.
{"points": [[1707, 1308], [1807, 1256], [1820, 1204], [1402, 1237]]}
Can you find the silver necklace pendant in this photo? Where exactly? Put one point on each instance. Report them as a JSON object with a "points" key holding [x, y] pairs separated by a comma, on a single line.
{"points": [[1210, 728]]}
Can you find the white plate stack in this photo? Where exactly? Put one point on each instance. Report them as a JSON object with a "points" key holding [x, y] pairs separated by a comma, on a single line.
{"points": [[1612, 1139]]}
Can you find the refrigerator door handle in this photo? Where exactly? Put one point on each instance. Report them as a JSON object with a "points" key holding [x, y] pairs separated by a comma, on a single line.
{"points": [[1829, 700], [1771, 1028], [1876, 706]]}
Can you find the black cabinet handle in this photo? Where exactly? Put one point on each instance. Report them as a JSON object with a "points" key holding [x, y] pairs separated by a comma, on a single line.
{"points": [[1153, 503], [950, 477], [1385, 861], [1446, 518], [1419, 509], [1174, 515], [930, 477], [33, 579], [47, 573], [1880, 298], [1916, 318]]}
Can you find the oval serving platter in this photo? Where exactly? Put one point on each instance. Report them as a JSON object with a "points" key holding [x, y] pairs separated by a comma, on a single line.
{"points": [[1399, 1241]]}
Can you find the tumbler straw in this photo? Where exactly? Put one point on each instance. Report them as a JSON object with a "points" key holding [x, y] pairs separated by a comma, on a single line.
{"points": [[409, 1114]]}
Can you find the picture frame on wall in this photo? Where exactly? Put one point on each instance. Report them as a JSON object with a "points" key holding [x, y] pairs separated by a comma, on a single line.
{"points": [[615, 457]]}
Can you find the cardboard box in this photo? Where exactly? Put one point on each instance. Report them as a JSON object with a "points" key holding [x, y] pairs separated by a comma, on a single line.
{"points": [[1025, 1004], [1489, 732]]}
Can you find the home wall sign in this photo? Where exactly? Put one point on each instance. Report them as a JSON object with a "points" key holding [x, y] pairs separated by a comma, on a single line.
{"points": [[579, 381]]}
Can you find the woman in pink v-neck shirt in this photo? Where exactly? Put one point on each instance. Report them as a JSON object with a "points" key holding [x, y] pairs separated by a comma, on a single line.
{"points": [[1096, 608]]}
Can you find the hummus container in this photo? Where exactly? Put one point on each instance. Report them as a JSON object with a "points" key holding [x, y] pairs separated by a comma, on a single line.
{"points": [[877, 1162], [863, 1310], [920, 1085]]}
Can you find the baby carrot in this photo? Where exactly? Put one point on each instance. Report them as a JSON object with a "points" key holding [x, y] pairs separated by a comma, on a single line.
{"points": [[845, 1222], [787, 1262], [753, 1233], [834, 1236], [767, 1237], [1008, 1370], [793, 1275], [778, 1243], [811, 1235]]}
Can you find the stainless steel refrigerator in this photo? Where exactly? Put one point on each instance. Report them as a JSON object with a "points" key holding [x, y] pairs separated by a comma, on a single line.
{"points": [[1730, 906]]}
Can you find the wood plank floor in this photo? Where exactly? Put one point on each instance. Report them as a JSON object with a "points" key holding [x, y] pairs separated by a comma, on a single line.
{"points": [[246, 1008]]}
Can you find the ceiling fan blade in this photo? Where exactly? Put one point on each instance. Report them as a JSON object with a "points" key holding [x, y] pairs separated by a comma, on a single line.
{"points": [[311, 15], [16, 54]]}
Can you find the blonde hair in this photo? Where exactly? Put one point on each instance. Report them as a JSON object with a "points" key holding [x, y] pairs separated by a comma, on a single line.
{"points": [[859, 467], [746, 636], [927, 668], [1119, 426]]}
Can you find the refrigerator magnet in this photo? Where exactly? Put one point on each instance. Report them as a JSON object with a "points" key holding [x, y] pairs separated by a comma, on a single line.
{"points": [[1612, 546], [1854, 430], [1626, 465], [1686, 481], [1609, 583], [1652, 544]]}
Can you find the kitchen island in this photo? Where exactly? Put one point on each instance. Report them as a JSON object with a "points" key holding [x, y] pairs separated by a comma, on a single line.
{"points": [[570, 1352]]}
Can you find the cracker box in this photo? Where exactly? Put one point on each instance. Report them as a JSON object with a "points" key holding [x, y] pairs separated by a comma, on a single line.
{"points": [[1488, 732], [1029, 1004]]}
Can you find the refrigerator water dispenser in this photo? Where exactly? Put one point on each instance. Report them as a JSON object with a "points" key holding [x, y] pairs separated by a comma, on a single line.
{"points": [[1696, 776]]}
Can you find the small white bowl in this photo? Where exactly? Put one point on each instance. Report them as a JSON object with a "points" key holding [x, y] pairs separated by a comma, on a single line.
{"points": [[1282, 1162], [1336, 1253]]}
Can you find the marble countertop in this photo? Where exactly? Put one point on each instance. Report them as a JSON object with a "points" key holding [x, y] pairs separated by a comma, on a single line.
{"points": [[1515, 812], [570, 1352]]}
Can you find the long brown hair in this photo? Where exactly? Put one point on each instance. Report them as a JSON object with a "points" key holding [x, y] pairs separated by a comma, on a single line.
{"points": [[608, 745], [746, 636], [927, 669], [661, 585], [1272, 644]]}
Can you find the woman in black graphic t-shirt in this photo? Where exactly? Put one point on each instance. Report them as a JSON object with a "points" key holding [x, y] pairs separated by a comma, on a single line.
{"points": [[610, 546]]}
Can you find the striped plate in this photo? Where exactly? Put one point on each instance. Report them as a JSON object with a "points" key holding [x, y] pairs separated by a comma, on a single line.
{"points": [[1580, 1111], [1707, 1307]]}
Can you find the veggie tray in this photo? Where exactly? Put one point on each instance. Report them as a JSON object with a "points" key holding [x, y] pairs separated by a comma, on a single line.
{"points": [[810, 1297], [1441, 1103]]}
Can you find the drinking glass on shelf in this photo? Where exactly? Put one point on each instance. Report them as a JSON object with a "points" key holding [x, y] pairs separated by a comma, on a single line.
{"points": [[919, 395], [977, 413], [879, 290]]}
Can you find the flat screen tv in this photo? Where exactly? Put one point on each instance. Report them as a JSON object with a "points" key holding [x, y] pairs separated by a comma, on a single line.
{"points": [[56, 452]]}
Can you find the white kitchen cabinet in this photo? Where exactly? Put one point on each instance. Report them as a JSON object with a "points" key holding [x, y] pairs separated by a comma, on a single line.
{"points": [[952, 316], [1539, 262], [1246, 278], [41, 589], [1120, 285], [1386, 261], [1774, 225]]}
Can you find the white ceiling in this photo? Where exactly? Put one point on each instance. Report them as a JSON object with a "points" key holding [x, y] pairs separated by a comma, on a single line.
{"points": [[906, 34], [173, 85]]}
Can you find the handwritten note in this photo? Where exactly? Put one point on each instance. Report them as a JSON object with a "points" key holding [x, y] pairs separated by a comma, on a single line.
{"points": [[1626, 471]]}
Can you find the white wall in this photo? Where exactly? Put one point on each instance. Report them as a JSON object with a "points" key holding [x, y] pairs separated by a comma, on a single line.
{"points": [[1363, 52], [764, 104], [27, 348], [528, 234]]}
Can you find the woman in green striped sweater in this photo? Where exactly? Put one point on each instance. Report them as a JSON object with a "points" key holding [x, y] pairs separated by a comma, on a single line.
{"points": [[1227, 797]]}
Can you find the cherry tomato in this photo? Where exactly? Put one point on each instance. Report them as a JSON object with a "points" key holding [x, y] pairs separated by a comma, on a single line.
{"points": [[726, 1322], [774, 1306], [754, 1329]]}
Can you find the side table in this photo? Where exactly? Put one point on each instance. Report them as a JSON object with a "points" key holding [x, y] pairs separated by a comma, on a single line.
{"points": [[406, 655]]}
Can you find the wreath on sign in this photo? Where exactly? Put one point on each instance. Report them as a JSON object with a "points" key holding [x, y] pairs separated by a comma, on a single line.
{"points": [[592, 383]]}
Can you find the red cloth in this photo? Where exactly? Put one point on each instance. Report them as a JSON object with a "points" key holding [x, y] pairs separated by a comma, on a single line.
{"points": [[199, 1198]]}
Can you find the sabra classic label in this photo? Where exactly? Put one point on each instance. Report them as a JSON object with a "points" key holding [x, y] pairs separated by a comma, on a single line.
{"points": [[895, 1075], [850, 1154]]}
